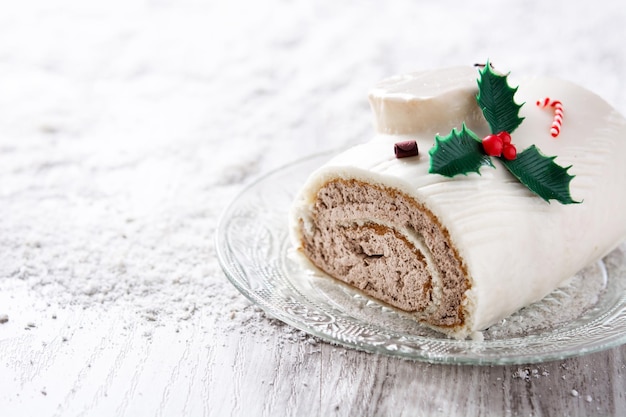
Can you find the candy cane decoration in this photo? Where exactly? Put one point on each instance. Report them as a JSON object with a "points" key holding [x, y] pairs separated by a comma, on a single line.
{"points": [[555, 129]]}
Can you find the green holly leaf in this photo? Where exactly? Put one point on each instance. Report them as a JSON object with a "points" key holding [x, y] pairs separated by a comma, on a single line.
{"points": [[542, 175], [458, 153], [495, 98], [462, 152]]}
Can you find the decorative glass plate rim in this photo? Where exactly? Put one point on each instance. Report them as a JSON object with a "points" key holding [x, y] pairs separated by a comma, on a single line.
{"points": [[451, 351]]}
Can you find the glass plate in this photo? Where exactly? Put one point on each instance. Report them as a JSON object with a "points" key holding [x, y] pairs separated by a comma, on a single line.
{"points": [[586, 315]]}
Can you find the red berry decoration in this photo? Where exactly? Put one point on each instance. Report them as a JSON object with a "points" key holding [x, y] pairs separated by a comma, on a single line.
{"points": [[492, 144], [509, 152], [505, 136], [500, 145]]}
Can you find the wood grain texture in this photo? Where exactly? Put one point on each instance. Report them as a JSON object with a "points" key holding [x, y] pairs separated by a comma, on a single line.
{"points": [[215, 370], [357, 383]]}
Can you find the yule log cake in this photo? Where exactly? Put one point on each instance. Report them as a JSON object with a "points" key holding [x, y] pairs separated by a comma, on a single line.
{"points": [[473, 199]]}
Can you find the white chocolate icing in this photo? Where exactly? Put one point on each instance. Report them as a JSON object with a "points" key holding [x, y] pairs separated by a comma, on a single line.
{"points": [[446, 98], [516, 247]]}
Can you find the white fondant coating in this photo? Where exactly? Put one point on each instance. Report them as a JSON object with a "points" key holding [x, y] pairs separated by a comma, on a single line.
{"points": [[446, 98], [516, 247]]}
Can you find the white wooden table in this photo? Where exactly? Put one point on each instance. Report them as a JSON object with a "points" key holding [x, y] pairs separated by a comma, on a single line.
{"points": [[126, 127]]}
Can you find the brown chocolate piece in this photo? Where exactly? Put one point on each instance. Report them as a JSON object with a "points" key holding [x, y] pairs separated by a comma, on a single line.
{"points": [[405, 149]]}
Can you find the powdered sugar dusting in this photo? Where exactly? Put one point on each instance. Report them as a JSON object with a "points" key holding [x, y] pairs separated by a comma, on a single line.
{"points": [[128, 126]]}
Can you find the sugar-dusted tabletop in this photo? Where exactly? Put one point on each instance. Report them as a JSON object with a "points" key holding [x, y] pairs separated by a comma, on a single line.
{"points": [[127, 126]]}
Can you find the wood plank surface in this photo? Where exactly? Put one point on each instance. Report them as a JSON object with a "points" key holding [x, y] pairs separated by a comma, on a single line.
{"points": [[211, 370]]}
